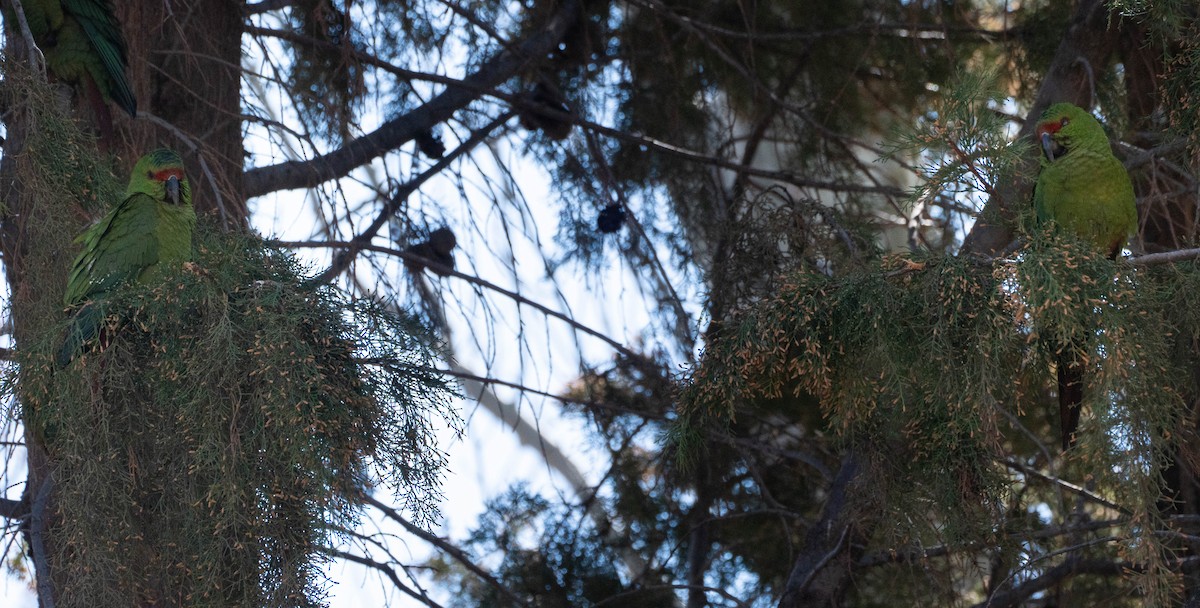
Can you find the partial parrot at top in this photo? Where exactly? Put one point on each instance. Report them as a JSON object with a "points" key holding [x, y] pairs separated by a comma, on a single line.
{"points": [[82, 43]]}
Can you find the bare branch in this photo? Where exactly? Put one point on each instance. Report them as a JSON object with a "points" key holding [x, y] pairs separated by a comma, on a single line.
{"points": [[449, 549], [387, 571], [448, 271], [13, 509], [365, 58], [393, 133], [916, 553], [36, 58], [485, 380], [342, 260], [1166, 257], [1054, 576], [1066, 485]]}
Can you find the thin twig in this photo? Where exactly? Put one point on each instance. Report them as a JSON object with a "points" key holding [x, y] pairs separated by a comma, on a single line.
{"points": [[342, 260], [458, 554], [1081, 491], [448, 271], [387, 570], [825, 559], [465, 375], [35, 54]]}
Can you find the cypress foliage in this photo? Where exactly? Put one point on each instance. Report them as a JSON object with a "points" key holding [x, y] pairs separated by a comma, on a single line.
{"points": [[228, 420], [227, 425], [940, 371]]}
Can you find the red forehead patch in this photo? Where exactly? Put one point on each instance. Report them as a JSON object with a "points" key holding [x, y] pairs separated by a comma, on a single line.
{"points": [[163, 175], [1052, 126]]}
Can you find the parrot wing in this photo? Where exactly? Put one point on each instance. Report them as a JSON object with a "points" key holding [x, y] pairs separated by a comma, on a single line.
{"points": [[100, 24], [116, 250], [84, 327]]}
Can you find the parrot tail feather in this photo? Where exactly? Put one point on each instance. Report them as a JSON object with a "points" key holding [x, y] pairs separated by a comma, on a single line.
{"points": [[85, 326], [1070, 397]]}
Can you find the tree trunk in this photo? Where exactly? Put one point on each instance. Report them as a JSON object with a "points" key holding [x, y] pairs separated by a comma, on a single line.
{"points": [[185, 71]]}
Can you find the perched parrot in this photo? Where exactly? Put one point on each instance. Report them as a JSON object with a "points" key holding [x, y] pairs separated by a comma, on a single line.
{"points": [[150, 228], [81, 41], [1082, 188]]}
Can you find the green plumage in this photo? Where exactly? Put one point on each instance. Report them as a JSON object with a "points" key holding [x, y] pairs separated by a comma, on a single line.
{"points": [[1084, 189], [82, 43], [150, 228]]}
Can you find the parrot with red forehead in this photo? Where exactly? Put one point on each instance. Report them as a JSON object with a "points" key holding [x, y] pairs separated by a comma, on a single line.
{"points": [[1084, 189], [151, 228]]}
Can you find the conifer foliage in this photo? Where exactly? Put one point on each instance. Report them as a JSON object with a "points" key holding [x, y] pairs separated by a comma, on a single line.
{"points": [[210, 445], [774, 262], [227, 428]]}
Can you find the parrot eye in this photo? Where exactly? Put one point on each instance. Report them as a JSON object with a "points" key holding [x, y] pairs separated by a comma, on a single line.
{"points": [[150, 174], [1064, 122]]}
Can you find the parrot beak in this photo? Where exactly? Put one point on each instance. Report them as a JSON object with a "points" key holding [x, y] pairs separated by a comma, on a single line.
{"points": [[172, 185], [1048, 145]]}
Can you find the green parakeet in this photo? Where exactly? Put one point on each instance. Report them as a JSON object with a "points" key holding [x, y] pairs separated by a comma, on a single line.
{"points": [[150, 228], [82, 43], [1082, 188]]}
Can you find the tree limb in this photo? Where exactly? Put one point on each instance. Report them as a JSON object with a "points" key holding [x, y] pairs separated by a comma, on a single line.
{"points": [[1053, 576], [397, 131], [13, 509], [822, 570], [1165, 257], [454, 552]]}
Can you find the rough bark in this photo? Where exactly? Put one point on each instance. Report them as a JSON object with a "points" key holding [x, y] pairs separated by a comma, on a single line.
{"points": [[189, 95], [822, 571]]}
